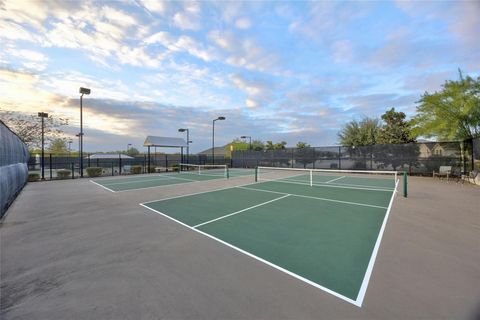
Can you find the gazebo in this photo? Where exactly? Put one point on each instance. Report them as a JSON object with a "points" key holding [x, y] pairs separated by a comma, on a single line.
{"points": [[164, 142]]}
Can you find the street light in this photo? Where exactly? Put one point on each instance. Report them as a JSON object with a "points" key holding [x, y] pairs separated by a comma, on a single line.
{"points": [[188, 141], [128, 146], [87, 92], [70, 146], [250, 144], [213, 138], [43, 115]]}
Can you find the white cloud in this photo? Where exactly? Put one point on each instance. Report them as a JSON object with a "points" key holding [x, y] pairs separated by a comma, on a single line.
{"points": [[189, 18], [243, 23], [155, 6]]}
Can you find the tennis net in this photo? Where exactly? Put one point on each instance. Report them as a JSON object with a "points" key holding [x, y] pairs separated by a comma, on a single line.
{"points": [[356, 179], [217, 170]]}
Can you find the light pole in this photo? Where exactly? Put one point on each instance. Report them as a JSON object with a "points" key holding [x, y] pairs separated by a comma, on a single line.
{"points": [[250, 144], [43, 115], [87, 92], [70, 146], [128, 146], [188, 141], [213, 138]]}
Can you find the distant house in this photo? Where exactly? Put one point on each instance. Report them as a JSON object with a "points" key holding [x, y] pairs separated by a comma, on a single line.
{"points": [[218, 151], [437, 149]]}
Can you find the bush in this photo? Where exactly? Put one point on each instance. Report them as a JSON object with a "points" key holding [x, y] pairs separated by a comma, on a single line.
{"points": [[63, 173], [151, 170], [94, 171], [32, 177], [136, 169]]}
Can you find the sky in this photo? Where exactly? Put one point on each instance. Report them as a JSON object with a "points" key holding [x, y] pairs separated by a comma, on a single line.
{"points": [[277, 70]]}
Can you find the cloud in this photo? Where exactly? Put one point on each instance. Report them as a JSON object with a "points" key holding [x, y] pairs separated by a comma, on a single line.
{"points": [[189, 18], [243, 23], [258, 90], [245, 53], [182, 44], [154, 6], [342, 51]]}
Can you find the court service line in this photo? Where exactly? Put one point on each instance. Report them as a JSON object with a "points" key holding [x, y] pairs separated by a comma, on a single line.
{"points": [[371, 263], [139, 181], [335, 179], [240, 211], [98, 184], [299, 277], [195, 193], [315, 198]]}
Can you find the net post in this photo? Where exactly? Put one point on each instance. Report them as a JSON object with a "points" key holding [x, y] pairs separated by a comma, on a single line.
{"points": [[311, 178], [405, 188], [227, 172], [256, 174]]}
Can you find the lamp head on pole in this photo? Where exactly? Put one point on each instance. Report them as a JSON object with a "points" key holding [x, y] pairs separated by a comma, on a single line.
{"points": [[182, 130], [43, 115], [84, 90], [220, 118]]}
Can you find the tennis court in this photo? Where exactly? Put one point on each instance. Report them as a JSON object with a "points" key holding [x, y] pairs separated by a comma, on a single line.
{"points": [[323, 228], [188, 173]]}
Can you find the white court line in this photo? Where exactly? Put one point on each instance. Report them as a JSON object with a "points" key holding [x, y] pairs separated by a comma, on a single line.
{"points": [[137, 181], [316, 198], [314, 284], [335, 179], [195, 193], [368, 273], [240, 211], [102, 186], [304, 183]]}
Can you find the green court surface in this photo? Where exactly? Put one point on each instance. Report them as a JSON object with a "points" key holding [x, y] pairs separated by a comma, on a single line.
{"points": [[327, 237], [165, 179]]}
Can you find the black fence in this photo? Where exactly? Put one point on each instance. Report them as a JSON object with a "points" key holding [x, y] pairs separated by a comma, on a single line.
{"points": [[415, 158], [67, 166], [476, 153]]}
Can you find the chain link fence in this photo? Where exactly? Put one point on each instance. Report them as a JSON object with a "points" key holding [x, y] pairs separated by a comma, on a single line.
{"points": [[13, 167], [67, 166]]}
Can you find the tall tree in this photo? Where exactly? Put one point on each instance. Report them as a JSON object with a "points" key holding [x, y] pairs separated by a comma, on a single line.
{"points": [[280, 145], [258, 145], [360, 133], [452, 113], [29, 128], [396, 129], [132, 151], [269, 145], [58, 145]]}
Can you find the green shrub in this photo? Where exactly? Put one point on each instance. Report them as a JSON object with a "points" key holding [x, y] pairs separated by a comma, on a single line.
{"points": [[94, 171], [63, 173], [32, 177], [151, 170], [136, 169]]}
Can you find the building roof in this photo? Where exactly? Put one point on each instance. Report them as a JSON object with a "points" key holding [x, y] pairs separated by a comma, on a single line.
{"points": [[169, 142], [218, 151], [109, 156]]}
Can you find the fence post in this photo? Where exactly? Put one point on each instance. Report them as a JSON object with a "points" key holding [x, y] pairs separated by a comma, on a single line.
{"points": [[112, 168], [166, 162], [314, 158], [292, 158], [73, 170], [50, 161], [340, 158], [119, 163]]}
